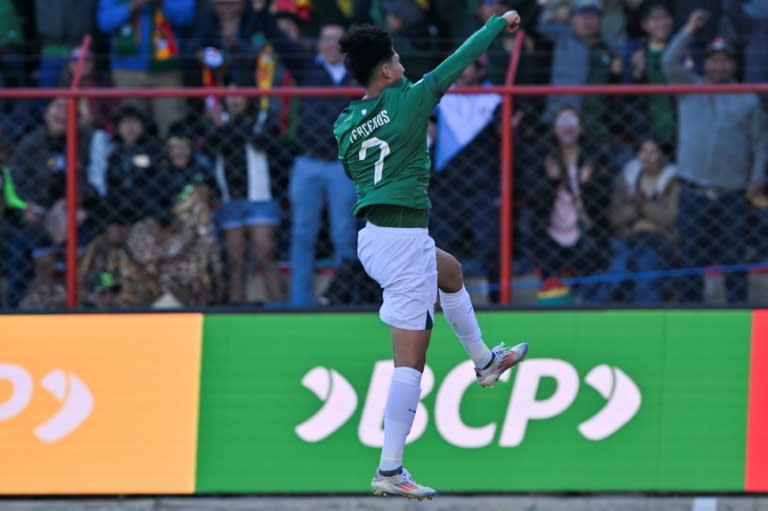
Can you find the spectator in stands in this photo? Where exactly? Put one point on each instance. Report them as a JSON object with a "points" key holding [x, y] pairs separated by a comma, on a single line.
{"points": [[94, 114], [643, 215], [115, 268], [642, 65], [569, 198], [181, 170], [317, 177], [171, 255], [145, 38], [129, 197], [177, 244], [231, 46], [38, 168], [290, 19], [182, 257], [61, 25], [269, 71], [182, 165], [222, 45], [615, 21], [582, 57], [241, 141], [131, 169], [722, 155], [745, 23], [465, 181]]}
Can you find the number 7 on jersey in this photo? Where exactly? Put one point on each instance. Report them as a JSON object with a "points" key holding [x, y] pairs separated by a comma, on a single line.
{"points": [[378, 168]]}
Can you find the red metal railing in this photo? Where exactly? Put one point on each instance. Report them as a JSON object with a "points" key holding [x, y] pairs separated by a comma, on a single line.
{"points": [[72, 159], [506, 181], [291, 92], [508, 92]]}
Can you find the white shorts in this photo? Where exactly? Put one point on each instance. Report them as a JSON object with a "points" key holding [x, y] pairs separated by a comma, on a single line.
{"points": [[404, 263]]}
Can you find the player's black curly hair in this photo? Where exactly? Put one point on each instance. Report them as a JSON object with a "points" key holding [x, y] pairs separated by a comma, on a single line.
{"points": [[365, 47]]}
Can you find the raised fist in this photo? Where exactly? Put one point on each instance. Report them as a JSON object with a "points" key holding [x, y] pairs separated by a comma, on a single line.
{"points": [[696, 20], [513, 20]]}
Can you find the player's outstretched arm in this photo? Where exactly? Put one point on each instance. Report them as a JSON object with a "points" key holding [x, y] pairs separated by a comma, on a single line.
{"points": [[451, 68]]}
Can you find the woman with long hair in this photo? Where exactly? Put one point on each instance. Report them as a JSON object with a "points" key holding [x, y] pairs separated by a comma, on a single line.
{"points": [[569, 199]]}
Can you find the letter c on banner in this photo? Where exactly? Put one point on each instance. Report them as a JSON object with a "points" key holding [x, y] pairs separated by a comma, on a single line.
{"points": [[22, 390], [448, 406]]}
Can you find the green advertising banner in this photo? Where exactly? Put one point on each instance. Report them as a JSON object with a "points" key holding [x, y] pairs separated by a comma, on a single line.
{"points": [[621, 400]]}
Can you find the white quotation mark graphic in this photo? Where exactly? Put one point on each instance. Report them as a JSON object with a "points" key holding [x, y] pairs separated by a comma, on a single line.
{"points": [[76, 398], [22, 390], [340, 402], [623, 402], [78, 403]]}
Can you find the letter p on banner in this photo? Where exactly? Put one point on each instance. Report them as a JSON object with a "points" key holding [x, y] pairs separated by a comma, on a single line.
{"points": [[523, 405], [99, 403]]}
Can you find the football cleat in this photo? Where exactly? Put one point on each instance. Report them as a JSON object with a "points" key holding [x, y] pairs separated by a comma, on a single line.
{"points": [[400, 484], [503, 359]]}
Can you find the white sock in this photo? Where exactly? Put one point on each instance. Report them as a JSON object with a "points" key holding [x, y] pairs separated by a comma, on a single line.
{"points": [[459, 312], [403, 398]]}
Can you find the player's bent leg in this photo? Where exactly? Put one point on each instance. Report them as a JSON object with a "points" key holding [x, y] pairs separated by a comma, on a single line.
{"points": [[457, 307]]}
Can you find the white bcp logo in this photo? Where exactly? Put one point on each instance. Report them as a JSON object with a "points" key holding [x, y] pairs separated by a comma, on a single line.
{"points": [[67, 388], [340, 403]]}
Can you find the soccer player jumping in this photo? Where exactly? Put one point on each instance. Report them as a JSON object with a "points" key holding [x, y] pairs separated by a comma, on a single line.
{"points": [[382, 145]]}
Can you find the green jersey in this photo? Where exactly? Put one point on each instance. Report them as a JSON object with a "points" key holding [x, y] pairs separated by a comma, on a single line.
{"points": [[383, 140]]}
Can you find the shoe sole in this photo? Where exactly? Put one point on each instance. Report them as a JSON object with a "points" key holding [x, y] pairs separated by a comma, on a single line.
{"points": [[381, 493], [490, 386]]}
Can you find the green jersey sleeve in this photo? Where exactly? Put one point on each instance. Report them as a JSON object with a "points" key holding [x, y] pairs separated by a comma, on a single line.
{"points": [[426, 93]]}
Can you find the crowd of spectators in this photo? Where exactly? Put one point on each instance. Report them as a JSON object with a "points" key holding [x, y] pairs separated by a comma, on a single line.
{"points": [[179, 198]]}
